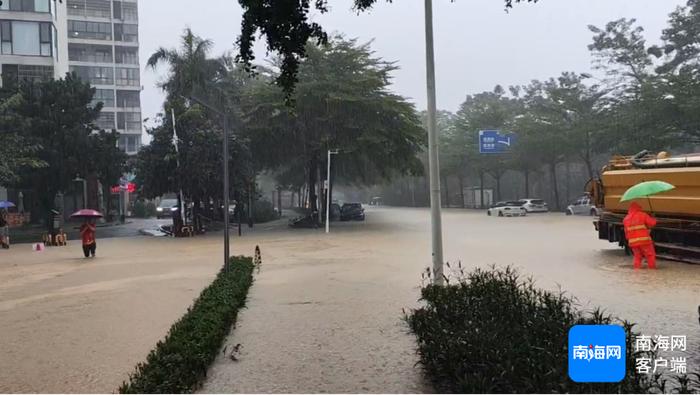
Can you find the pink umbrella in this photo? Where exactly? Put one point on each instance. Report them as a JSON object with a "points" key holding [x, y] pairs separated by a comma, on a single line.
{"points": [[86, 213]]}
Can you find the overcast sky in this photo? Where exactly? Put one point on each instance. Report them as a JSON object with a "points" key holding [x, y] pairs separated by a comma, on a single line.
{"points": [[477, 44]]}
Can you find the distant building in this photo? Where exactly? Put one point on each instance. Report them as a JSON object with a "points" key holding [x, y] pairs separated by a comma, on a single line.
{"points": [[96, 39]]}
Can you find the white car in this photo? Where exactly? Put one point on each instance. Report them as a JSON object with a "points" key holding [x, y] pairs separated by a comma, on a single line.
{"points": [[582, 206], [534, 205], [507, 209]]}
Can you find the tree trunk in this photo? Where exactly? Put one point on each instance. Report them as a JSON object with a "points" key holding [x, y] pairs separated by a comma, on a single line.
{"points": [[461, 189], [481, 189], [447, 192], [313, 197], [555, 187], [498, 187], [251, 192], [413, 191], [527, 183], [279, 200]]}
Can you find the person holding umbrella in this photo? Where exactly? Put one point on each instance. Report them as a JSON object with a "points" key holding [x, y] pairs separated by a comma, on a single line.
{"points": [[638, 224], [87, 230], [4, 230], [5, 224]]}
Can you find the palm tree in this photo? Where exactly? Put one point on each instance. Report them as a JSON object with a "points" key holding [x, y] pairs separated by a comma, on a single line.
{"points": [[190, 68]]}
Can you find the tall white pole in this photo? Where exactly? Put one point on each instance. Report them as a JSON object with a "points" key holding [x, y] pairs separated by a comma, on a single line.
{"points": [[328, 195], [433, 162], [226, 191], [177, 151]]}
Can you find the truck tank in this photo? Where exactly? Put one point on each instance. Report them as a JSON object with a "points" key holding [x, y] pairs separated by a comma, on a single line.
{"points": [[677, 234]]}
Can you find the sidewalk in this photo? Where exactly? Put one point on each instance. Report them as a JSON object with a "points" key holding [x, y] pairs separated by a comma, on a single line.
{"points": [[325, 315]]}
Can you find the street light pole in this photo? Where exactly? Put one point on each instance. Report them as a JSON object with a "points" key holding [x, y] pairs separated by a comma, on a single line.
{"points": [[433, 161], [226, 191], [328, 191]]}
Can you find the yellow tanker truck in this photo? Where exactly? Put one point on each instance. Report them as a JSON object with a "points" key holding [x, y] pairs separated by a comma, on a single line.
{"points": [[677, 234]]}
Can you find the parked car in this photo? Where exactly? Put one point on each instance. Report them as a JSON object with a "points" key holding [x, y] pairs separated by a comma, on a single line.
{"points": [[352, 212], [582, 206], [335, 212], [166, 208], [534, 205], [507, 209]]}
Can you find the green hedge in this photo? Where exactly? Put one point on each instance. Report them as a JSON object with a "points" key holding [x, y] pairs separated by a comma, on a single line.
{"points": [[179, 363], [492, 332]]}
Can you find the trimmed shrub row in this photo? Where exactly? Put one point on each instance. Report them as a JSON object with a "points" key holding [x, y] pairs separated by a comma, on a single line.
{"points": [[490, 331], [179, 363]]}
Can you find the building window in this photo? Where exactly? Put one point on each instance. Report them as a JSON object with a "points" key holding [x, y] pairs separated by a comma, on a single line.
{"points": [[126, 33], [6, 37], [26, 5], [126, 55], [125, 11], [95, 75], [127, 77], [129, 121], [89, 8], [45, 31], [105, 121], [89, 30], [128, 99], [106, 96], [26, 38], [12, 74], [129, 143], [90, 53]]}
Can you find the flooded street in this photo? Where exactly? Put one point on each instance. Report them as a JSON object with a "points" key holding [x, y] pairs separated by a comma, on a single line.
{"points": [[324, 313]]}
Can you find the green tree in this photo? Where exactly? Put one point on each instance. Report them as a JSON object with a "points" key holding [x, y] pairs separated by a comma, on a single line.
{"points": [[106, 161], [493, 110], [60, 118], [287, 30], [190, 67], [17, 151], [342, 101]]}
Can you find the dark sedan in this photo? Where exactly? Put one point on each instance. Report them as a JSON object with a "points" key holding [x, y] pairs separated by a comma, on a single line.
{"points": [[352, 212]]}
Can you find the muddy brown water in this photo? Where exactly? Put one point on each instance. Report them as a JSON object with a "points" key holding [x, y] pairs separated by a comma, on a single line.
{"points": [[325, 312]]}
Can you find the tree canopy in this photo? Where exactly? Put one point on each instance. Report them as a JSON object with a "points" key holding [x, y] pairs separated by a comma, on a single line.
{"points": [[286, 28]]}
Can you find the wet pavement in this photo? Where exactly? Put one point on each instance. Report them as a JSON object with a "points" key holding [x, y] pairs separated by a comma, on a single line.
{"points": [[324, 314]]}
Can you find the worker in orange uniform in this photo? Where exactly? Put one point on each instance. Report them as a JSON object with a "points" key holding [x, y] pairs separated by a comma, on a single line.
{"points": [[638, 226]]}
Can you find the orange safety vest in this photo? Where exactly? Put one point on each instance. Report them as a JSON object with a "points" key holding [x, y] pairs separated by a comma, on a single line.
{"points": [[637, 224]]}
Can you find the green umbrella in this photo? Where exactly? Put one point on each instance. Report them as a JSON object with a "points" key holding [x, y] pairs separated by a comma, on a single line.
{"points": [[646, 189]]}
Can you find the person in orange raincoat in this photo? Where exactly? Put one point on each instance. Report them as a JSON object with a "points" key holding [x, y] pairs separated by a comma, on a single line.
{"points": [[638, 226], [87, 233]]}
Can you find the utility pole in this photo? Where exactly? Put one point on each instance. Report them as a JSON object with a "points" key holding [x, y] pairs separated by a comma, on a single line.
{"points": [[177, 158], [226, 191], [328, 190], [433, 161]]}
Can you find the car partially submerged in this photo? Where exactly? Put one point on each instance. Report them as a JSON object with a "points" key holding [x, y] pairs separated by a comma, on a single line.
{"points": [[509, 208], [352, 212], [534, 205]]}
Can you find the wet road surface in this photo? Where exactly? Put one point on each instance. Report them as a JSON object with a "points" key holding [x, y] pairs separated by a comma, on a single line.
{"points": [[324, 313]]}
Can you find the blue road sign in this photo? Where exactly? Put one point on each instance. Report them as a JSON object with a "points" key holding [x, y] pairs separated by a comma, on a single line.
{"points": [[597, 353], [493, 142]]}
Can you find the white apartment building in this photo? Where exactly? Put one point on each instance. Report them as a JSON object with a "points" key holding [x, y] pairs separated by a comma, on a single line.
{"points": [[32, 40], [96, 39]]}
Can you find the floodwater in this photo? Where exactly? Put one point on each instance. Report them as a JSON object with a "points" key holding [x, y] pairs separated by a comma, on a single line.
{"points": [[324, 314]]}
